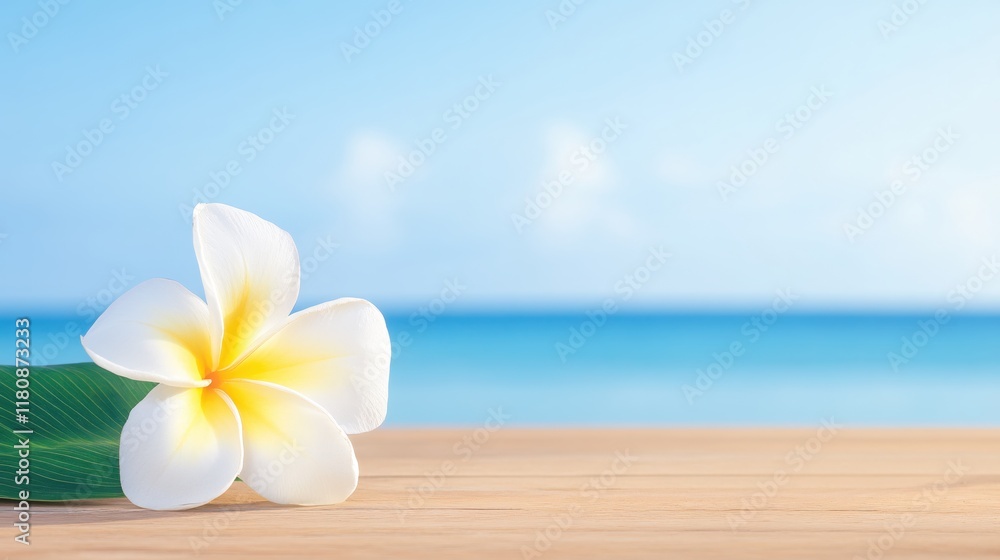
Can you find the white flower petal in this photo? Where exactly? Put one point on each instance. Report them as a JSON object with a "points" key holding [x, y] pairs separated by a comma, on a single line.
{"points": [[336, 354], [157, 331], [295, 453], [180, 448], [250, 269]]}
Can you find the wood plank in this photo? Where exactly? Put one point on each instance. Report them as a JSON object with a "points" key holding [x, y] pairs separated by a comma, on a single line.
{"points": [[514, 493]]}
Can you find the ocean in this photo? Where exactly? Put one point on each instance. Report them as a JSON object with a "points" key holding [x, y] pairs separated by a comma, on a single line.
{"points": [[571, 369]]}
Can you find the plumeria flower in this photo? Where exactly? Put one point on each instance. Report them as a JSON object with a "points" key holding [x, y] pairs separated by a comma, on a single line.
{"points": [[245, 389]]}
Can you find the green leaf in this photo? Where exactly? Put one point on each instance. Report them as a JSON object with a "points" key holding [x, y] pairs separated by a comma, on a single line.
{"points": [[76, 412]]}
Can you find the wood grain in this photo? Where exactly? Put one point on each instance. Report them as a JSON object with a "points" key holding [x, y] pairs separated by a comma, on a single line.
{"points": [[688, 493]]}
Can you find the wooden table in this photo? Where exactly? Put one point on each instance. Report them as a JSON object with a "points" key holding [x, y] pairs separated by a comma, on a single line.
{"points": [[821, 492]]}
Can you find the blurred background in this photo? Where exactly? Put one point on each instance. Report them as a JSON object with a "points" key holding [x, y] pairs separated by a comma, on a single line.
{"points": [[575, 212]]}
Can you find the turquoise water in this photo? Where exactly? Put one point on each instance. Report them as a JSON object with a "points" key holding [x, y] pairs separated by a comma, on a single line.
{"points": [[637, 370]]}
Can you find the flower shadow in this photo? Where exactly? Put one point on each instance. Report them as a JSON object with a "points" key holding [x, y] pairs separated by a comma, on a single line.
{"points": [[237, 500]]}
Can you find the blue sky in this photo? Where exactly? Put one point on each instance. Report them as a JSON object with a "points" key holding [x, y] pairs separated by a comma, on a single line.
{"points": [[838, 102]]}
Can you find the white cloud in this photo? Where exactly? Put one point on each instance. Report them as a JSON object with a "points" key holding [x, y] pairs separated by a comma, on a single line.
{"points": [[361, 189], [563, 144], [970, 215], [591, 203], [369, 154]]}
